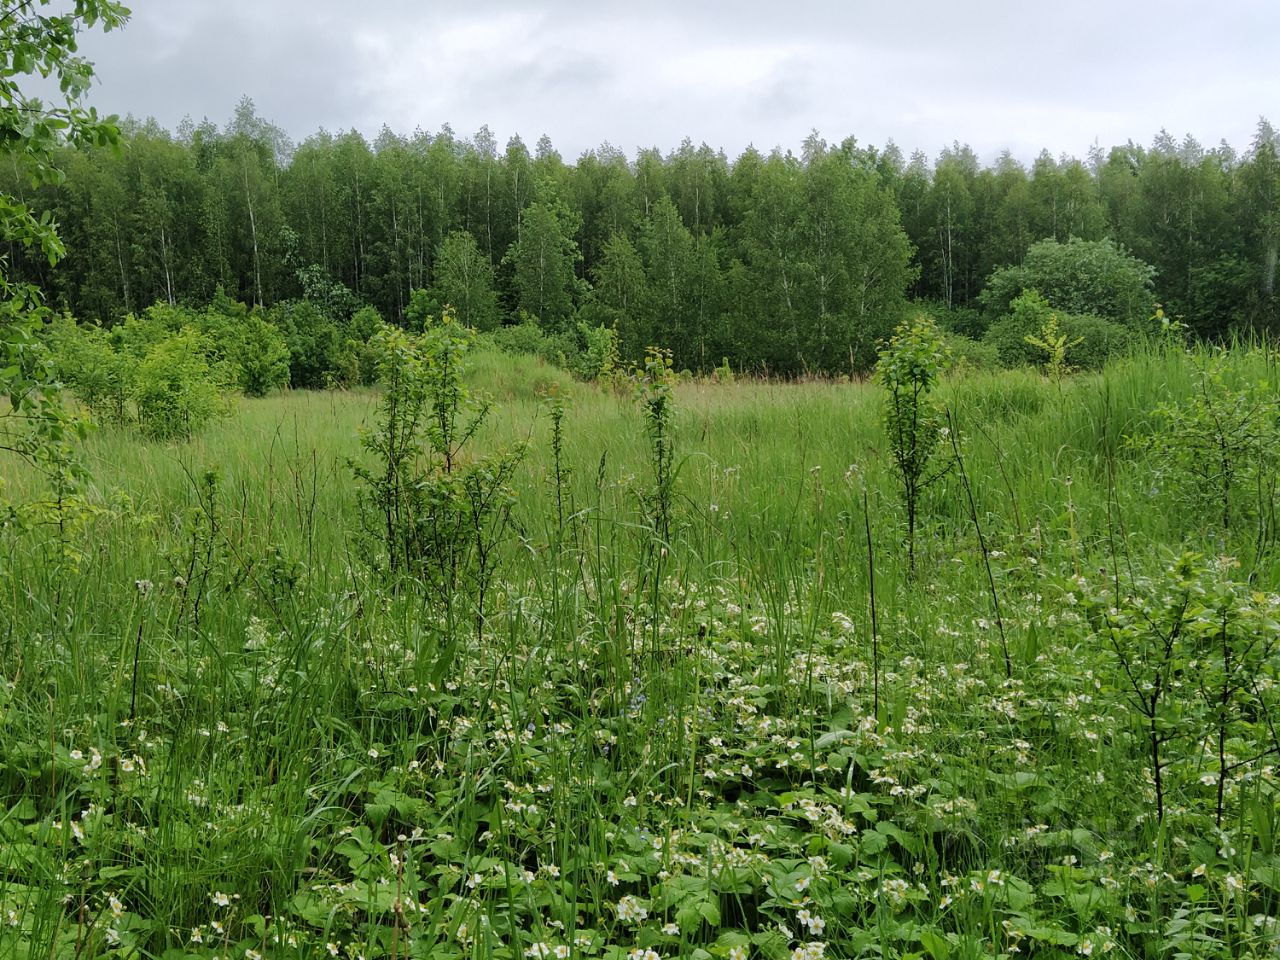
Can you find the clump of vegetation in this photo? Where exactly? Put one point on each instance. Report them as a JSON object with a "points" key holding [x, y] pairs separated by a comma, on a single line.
{"points": [[908, 369], [436, 512], [1055, 345], [1218, 450], [654, 390], [1092, 340]]}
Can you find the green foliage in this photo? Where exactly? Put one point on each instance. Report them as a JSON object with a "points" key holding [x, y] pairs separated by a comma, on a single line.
{"points": [[319, 356], [1093, 339], [684, 753], [655, 394], [170, 370], [34, 424], [436, 514], [88, 360], [254, 348], [908, 370], [1218, 450], [176, 391], [1077, 277], [543, 262], [599, 359], [1055, 346], [1195, 655], [967, 356], [724, 372], [527, 337], [464, 282]]}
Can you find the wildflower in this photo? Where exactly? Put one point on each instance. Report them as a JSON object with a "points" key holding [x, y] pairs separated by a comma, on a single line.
{"points": [[251, 954], [737, 953], [562, 951], [630, 910], [197, 935], [538, 951], [144, 586], [1084, 947], [638, 954], [671, 929], [117, 908], [220, 899]]}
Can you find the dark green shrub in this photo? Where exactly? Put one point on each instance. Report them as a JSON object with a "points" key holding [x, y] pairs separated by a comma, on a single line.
{"points": [[1100, 339]]}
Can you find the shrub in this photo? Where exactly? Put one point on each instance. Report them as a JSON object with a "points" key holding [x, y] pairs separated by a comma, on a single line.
{"points": [[176, 390], [315, 345], [969, 355], [908, 369], [1099, 339], [436, 513], [560, 349], [1077, 277]]}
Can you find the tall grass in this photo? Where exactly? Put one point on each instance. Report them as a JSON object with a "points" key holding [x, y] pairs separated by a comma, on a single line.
{"points": [[221, 736]]}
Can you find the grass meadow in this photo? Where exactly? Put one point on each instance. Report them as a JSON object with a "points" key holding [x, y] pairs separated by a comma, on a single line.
{"points": [[223, 735]]}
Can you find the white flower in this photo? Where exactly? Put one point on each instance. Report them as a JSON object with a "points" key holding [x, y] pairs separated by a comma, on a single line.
{"points": [[737, 953], [630, 910], [220, 899], [538, 951], [671, 929]]}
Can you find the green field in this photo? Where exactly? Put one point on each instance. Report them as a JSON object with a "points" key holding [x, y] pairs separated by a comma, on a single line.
{"points": [[223, 734]]}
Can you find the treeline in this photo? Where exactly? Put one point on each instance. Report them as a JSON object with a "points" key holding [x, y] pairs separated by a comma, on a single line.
{"points": [[775, 261]]}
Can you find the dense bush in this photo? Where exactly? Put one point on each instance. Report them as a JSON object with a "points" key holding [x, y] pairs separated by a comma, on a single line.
{"points": [[968, 354], [561, 349], [175, 388], [1077, 277], [1099, 338]]}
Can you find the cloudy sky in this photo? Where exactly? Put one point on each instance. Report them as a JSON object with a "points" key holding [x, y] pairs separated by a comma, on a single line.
{"points": [[1016, 74]]}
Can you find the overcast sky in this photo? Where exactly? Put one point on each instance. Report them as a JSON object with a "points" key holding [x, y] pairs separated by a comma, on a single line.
{"points": [[1016, 74]]}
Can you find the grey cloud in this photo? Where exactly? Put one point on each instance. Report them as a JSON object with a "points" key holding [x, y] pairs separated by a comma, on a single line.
{"points": [[998, 73]]}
